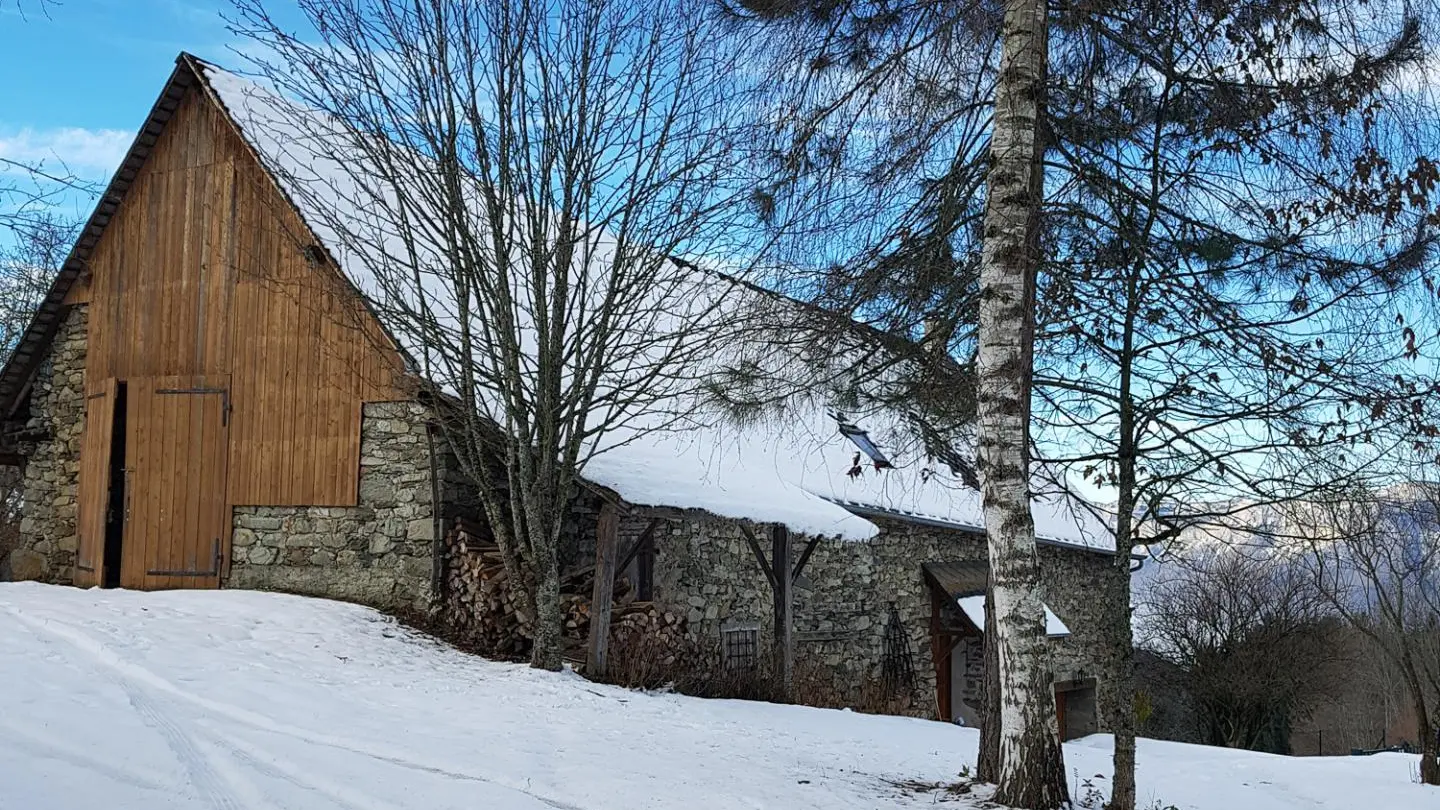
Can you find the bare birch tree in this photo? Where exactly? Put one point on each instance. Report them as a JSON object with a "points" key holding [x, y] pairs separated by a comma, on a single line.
{"points": [[1032, 769], [515, 178]]}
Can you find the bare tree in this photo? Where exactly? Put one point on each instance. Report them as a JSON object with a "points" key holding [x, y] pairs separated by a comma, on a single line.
{"points": [[1252, 642], [511, 180], [1375, 555], [27, 266]]}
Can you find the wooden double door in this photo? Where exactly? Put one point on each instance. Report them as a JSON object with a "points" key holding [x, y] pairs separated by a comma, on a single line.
{"points": [[153, 510]]}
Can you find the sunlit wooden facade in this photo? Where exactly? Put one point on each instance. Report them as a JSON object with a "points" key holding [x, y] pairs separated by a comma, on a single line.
{"points": [[227, 360]]}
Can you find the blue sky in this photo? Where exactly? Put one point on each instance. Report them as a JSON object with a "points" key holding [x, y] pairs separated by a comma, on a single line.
{"points": [[78, 76]]}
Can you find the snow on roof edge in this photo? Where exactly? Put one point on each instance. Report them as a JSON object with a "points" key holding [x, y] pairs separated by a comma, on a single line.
{"points": [[812, 511], [974, 609]]}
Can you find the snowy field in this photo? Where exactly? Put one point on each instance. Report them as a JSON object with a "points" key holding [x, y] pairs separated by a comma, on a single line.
{"points": [[231, 700]]}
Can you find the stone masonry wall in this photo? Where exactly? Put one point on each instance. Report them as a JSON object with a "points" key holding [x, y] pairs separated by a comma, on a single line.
{"points": [[705, 570], [48, 538], [378, 553]]}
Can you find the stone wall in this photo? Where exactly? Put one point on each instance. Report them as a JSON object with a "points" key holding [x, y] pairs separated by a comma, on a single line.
{"points": [[705, 570], [48, 538], [378, 553], [1075, 590]]}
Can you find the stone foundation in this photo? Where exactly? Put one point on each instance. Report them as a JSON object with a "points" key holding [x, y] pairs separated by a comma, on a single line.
{"points": [[48, 538], [378, 553]]}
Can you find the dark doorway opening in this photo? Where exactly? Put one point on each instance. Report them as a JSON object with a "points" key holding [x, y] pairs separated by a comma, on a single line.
{"points": [[1077, 711], [115, 510]]}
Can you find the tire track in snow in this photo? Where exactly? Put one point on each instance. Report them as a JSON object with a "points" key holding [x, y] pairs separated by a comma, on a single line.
{"points": [[197, 764], [278, 769], [51, 747], [132, 674], [201, 768]]}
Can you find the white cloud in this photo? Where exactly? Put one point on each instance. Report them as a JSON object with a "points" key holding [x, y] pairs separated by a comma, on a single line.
{"points": [[82, 151]]}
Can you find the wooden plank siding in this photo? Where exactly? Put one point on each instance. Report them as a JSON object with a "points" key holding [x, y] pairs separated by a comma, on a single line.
{"points": [[202, 274], [93, 501], [177, 531]]}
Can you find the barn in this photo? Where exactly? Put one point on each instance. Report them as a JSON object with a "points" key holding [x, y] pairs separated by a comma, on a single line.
{"points": [[206, 399]]}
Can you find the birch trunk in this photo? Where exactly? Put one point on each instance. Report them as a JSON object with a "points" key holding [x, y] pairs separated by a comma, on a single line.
{"points": [[1032, 771], [987, 764]]}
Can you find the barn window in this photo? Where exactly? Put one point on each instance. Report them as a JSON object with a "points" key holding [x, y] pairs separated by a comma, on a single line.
{"points": [[740, 647]]}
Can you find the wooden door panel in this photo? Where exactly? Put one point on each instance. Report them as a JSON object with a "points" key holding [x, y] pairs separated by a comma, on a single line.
{"points": [[93, 500], [177, 527]]}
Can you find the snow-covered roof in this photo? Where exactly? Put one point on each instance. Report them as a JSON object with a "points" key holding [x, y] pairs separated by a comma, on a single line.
{"points": [[792, 466], [974, 609]]}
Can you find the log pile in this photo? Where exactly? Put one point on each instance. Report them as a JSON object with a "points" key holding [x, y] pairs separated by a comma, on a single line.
{"points": [[479, 603], [488, 613], [644, 625]]}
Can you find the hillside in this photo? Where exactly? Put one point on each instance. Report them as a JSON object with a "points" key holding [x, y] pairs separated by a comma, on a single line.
{"points": [[236, 699]]}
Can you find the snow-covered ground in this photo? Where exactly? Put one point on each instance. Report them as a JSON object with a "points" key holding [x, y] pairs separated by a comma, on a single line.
{"points": [[234, 700]]}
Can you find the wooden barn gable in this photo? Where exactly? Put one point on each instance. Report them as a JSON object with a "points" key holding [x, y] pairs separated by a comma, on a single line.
{"points": [[227, 359]]}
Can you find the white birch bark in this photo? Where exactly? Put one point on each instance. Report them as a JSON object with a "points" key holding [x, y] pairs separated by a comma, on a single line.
{"points": [[1031, 772]]}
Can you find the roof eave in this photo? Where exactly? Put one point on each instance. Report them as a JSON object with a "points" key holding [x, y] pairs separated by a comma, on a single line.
{"points": [[865, 510]]}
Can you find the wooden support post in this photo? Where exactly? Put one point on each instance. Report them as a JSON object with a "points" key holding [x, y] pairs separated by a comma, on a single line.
{"points": [[759, 555], [607, 531], [942, 660], [784, 619], [804, 557]]}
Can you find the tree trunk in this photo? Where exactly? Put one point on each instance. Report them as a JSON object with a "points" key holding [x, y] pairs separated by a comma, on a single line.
{"points": [[548, 649], [1122, 697], [987, 766], [784, 649], [1032, 771], [1429, 757], [1120, 702]]}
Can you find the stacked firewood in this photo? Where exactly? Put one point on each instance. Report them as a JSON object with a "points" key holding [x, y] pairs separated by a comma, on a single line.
{"points": [[480, 604], [644, 624], [483, 607]]}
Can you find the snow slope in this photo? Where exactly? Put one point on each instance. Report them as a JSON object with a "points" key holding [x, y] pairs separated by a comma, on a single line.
{"points": [[235, 699]]}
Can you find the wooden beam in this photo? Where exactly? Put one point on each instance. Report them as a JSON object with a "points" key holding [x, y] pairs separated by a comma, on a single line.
{"points": [[804, 557], [607, 531], [784, 612], [940, 658], [635, 546], [759, 555]]}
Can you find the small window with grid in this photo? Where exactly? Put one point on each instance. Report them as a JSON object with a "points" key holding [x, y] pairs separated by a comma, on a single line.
{"points": [[740, 647]]}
